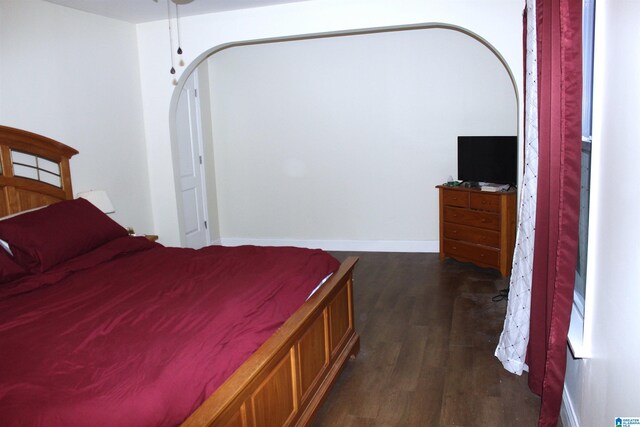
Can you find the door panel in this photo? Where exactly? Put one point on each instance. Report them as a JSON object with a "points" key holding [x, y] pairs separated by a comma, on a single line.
{"points": [[192, 184]]}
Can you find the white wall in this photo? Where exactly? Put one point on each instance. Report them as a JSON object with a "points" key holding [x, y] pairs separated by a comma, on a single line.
{"points": [[339, 142], [497, 21], [74, 77], [606, 386]]}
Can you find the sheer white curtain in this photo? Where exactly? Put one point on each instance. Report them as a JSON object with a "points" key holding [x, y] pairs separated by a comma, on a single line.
{"points": [[512, 347]]}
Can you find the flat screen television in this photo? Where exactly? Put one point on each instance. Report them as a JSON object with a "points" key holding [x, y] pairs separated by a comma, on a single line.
{"points": [[491, 159]]}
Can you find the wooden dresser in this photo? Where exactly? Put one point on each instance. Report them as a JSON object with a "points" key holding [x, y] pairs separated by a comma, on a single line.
{"points": [[478, 226]]}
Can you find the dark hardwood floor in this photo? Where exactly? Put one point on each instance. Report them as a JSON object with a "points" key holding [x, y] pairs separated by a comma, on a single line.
{"points": [[428, 330]]}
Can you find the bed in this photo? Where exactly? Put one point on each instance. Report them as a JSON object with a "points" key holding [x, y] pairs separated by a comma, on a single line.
{"points": [[291, 346]]}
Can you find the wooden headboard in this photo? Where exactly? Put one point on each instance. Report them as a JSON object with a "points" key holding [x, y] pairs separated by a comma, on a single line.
{"points": [[34, 171]]}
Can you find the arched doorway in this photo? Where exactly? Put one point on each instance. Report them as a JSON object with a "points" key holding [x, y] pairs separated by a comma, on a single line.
{"points": [[298, 169]]}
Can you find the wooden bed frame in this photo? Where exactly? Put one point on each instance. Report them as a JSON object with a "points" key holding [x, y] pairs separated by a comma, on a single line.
{"points": [[284, 382], [20, 193]]}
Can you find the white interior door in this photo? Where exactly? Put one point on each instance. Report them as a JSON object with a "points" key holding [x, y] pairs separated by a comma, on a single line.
{"points": [[192, 183]]}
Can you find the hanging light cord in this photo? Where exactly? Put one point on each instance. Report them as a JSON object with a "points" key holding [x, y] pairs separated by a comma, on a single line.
{"points": [[173, 70], [179, 51]]}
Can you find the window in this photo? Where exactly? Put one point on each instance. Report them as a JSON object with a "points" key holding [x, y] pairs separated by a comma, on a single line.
{"points": [[577, 317], [588, 21]]}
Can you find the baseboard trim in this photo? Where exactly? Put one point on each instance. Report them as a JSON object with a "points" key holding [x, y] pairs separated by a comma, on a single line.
{"points": [[422, 246], [567, 411]]}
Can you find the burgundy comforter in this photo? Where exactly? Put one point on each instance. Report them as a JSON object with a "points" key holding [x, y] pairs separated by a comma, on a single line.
{"points": [[134, 333]]}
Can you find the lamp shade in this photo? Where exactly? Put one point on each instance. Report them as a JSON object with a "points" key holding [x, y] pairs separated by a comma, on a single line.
{"points": [[99, 199]]}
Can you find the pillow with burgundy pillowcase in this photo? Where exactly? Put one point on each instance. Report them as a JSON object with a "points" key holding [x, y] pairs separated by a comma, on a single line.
{"points": [[46, 237], [9, 269]]}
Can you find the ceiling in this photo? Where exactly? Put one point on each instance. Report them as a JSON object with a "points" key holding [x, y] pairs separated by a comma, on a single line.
{"points": [[137, 11]]}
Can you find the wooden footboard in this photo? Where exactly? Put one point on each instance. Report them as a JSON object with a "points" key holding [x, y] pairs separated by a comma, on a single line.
{"points": [[284, 382]]}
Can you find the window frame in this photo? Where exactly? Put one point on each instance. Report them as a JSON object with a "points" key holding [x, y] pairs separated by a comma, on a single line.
{"points": [[580, 327]]}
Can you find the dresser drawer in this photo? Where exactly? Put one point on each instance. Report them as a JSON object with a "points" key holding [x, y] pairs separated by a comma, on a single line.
{"points": [[471, 252], [485, 202], [486, 220], [472, 235], [455, 198]]}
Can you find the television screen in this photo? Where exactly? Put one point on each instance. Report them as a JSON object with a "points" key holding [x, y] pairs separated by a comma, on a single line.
{"points": [[492, 159]]}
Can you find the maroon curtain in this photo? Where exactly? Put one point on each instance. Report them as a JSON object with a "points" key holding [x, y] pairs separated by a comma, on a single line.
{"points": [[559, 35]]}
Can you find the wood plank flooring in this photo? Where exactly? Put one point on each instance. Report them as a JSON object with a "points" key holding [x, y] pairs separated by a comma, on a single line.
{"points": [[428, 331]]}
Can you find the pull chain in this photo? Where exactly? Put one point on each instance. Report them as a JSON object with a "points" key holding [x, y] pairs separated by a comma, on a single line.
{"points": [[173, 69], [179, 51]]}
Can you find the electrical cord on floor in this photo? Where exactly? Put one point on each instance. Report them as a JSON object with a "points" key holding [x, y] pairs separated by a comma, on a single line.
{"points": [[502, 295]]}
